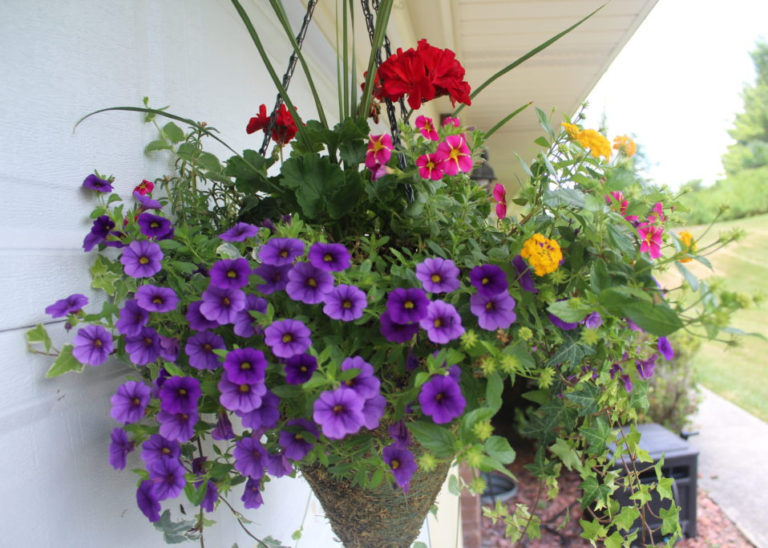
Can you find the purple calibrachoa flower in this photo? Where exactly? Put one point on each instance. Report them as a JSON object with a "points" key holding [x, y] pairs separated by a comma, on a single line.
{"points": [[156, 299], [562, 324], [489, 279], [169, 348], [119, 447], [250, 458], [147, 501], [332, 257], [99, 231], [178, 427], [400, 433], [338, 412], [524, 277], [345, 303], [407, 305], [308, 284], [167, 477], [646, 367], [180, 395], [211, 496], [95, 182], [144, 347], [593, 321], [230, 273], [130, 401], [373, 410], [275, 277], [132, 318], [245, 365], [251, 495], [146, 202], [92, 345], [287, 338], [397, 332], [665, 348], [246, 325], [493, 312], [200, 347], [278, 465], [154, 226], [266, 415], [442, 322], [281, 251], [239, 233], [142, 259], [243, 397], [365, 383], [70, 305], [402, 464], [441, 399], [299, 368], [222, 305], [438, 275], [294, 440], [158, 448], [196, 320], [223, 430]]}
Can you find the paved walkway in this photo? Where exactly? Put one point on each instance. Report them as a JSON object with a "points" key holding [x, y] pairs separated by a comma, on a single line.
{"points": [[733, 463]]}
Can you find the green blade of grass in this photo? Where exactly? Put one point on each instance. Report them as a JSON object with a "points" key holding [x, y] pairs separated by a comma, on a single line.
{"points": [[344, 59], [382, 19], [506, 119]]}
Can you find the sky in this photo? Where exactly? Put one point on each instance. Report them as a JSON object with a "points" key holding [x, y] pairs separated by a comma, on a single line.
{"points": [[676, 86]]}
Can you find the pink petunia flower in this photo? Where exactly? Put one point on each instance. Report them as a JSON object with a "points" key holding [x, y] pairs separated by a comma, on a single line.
{"points": [[379, 151], [650, 236], [427, 128], [616, 198], [500, 195], [658, 213], [450, 120], [454, 154], [429, 166]]}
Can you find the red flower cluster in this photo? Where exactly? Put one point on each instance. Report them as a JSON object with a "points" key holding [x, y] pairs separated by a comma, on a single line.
{"points": [[422, 74], [283, 130]]}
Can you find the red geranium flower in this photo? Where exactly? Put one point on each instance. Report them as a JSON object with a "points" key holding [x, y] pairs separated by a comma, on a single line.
{"points": [[283, 130]]}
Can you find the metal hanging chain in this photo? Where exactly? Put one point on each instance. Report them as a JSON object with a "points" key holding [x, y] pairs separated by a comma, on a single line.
{"points": [[388, 50], [288, 74]]}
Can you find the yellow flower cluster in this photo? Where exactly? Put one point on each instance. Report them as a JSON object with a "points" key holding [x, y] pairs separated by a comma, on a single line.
{"points": [[595, 142], [624, 144], [571, 129], [689, 243], [542, 254]]}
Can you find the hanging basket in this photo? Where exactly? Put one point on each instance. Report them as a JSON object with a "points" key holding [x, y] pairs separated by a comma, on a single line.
{"points": [[376, 518]]}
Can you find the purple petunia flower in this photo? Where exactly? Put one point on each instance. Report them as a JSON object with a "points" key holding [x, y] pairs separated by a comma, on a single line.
{"points": [[332, 257], [396, 332], [281, 251], [144, 347], [200, 347], [275, 277], [407, 305], [489, 279], [64, 307], [593, 321], [308, 284], [250, 458], [221, 305], [294, 440], [665, 348], [441, 399], [246, 325], [646, 367], [245, 365], [147, 501], [169, 348], [154, 226], [266, 415], [278, 465], [493, 312], [633, 326], [402, 464], [146, 202], [251, 495], [180, 395], [156, 299], [158, 448], [299, 368], [524, 277], [119, 447], [627, 382], [338, 412], [142, 259], [373, 410], [562, 324], [239, 233], [442, 322], [345, 303], [178, 427], [365, 383], [438, 275], [196, 320], [132, 318], [287, 338], [211, 496], [223, 430], [97, 183], [130, 401], [240, 396], [99, 231], [92, 345], [230, 273], [167, 477], [400, 433]]}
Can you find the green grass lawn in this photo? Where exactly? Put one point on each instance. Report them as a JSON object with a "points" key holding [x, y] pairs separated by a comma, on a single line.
{"points": [[739, 374]]}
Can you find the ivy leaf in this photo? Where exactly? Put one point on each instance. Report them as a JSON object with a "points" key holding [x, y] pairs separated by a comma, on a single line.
{"points": [[173, 532], [567, 454], [614, 541], [64, 363], [591, 530], [38, 335], [571, 353], [597, 436], [670, 520], [592, 490], [103, 276], [585, 397], [625, 520]]}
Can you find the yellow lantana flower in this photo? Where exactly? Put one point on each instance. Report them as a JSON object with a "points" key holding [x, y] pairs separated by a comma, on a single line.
{"points": [[571, 129], [689, 243], [597, 144], [624, 144], [544, 255]]}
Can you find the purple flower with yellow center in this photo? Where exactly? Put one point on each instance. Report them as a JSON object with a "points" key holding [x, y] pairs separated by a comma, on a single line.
{"points": [[144, 347], [147, 501], [130, 401], [196, 320], [489, 279], [146, 202], [251, 495], [287, 338], [119, 447], [339, 412], [180, 395], [646, 367], [297, 438], [246, 325], [524, 277], [156, 299], [275, 277], [593, 320], [455, 155], [245, 365], [167, 477], [132, 318], [92, 345], [373, 410], [438, 275], [142, 259], [178, 427], [94, 182], [345, 303], [441, 399], [308, 284], [158, 448], [243, 397], [396, 332], [230, 273], [493, 312], [200, 349], [365, 383], [70, 305], [299, 368], [407, 305], [281, 251], [100, 229], [154, 226], [266, 415], [222, 305], [223, 430], [239, 233], [250, 458], [442, 322], [169, 348], [665, 348], [332, 257], [402, 464], [278, 465]]}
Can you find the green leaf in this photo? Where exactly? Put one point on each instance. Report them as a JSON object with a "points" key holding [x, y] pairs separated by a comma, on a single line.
{"points": [[614, 541], [570, 310], [598, 276], [656, 319], [64, 363], [436, 438], [321, 188], [622, 237], [625, 519], [597, 436], [585, 397], [544, 122], [542, 142], [566, 454], [692, 280], [173, 132], [592, 490], [103, 275], [38, 335], [493, 391], [209, 161], [570, 353], [453, 485], [614, 299], [157, 145], [499, 449], [670, 520], [564, 197], [591, 530], [173, 532]]}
